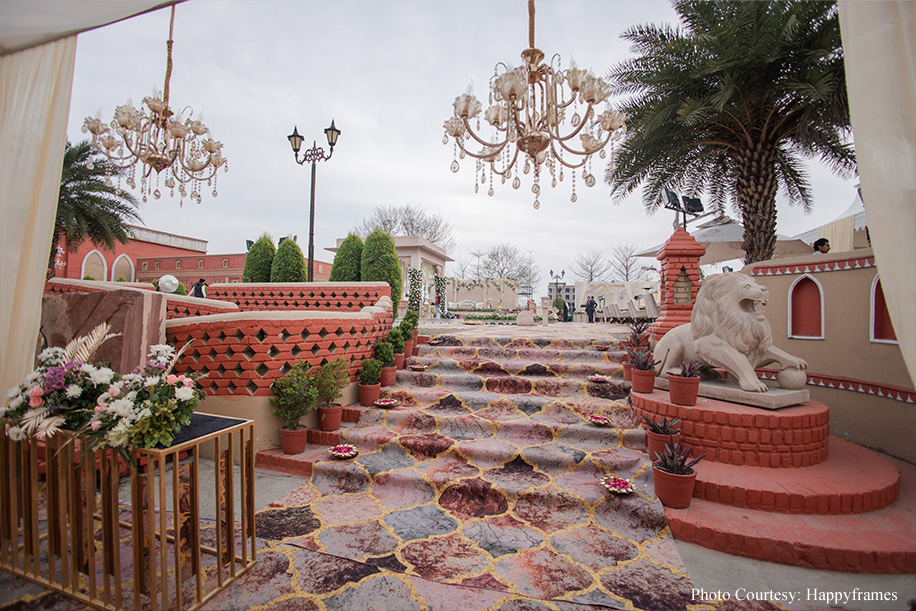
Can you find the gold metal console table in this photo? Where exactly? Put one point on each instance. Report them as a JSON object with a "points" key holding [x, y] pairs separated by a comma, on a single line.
{"points": [[71, 533]]}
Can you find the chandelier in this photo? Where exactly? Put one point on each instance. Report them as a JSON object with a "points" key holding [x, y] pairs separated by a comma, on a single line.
{"points": [[528, 112], [159, 140]]}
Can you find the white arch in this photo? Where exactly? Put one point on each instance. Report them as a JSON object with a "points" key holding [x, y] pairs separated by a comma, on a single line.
{"points": [[104, 264], [114, 267], [873, 293], [820, 290]]}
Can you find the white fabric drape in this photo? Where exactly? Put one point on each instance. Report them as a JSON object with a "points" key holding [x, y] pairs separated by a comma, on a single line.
{"points": [[839, 233], [35, 87], [879, 42]]}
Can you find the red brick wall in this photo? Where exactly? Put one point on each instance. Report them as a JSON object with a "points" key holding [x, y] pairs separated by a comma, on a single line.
{"points": [[333, 296], [681, 251], [134, 249]]}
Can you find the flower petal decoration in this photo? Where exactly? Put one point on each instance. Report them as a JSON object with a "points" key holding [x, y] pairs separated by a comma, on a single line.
{"points": [[343, 451], [599, 420], [386, 403], [598, 378], [617, 485]]}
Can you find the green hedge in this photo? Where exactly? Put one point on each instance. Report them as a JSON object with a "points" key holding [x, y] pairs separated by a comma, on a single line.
{"points": [[347, 260], [288, 264], [380, 263], [259, 260]]}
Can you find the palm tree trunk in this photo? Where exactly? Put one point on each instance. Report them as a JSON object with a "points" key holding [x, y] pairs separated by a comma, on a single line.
{"points": [[757, 188]]}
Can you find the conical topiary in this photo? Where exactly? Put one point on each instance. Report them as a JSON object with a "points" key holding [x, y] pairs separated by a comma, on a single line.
{"points": [[380, 263], [347, 261], [288, 264], [259, 260]]}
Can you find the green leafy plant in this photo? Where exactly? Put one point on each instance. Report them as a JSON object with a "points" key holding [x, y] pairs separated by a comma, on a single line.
{"points": [[370, 372], [662, 428], [181, 290], [345, 267], [294, 395], [288, 264], [396, 339], [384, 352], [88, 277], [676, 458], [330, 380], [380, 263], [259, 260], [641, 360], [690, 370]]}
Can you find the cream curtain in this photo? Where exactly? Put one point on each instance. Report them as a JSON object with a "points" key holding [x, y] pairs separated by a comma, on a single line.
{"points": [[879, 41], [839, 233], [35, 89]]}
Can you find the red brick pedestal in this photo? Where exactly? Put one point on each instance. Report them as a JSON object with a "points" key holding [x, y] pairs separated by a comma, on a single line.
{"points": [[774, 486]]}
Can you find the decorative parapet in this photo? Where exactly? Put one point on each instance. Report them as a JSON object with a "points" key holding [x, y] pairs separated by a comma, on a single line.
{"points": [[809, 266], [888, 391], [321, 296], [244, 352]]}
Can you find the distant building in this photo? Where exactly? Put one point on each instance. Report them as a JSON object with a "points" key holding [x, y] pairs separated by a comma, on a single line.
{"points": [[566, 291], [150, 254]]}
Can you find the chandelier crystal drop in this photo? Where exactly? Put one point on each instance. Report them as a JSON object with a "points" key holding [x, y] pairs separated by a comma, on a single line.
{"points": [[547, 116], [157, 139]]}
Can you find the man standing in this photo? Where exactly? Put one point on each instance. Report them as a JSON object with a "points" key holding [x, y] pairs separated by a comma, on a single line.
{"points": [[590, 306], [199, 289]]}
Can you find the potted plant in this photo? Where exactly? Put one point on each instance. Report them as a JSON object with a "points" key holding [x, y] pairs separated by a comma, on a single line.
{"points": [[406, 329], [396, 339], [294, 397], [369, 386], [385, 355], [414, 318], [643, 370], [658, 433], [683, 388], [330, 380], [674, 475]]}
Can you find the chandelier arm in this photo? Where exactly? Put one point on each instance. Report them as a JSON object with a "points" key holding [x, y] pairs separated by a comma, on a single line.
{"points": [[507, 171], [497, 145], [571, 166], [583, 152], [574, 133], [480, 155]]}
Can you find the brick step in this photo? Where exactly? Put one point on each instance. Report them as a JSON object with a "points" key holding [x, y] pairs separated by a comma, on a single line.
{"points": [[482, 366], [516, 384], [521, 343], [588, 355], [852, 480], [882, 541]]}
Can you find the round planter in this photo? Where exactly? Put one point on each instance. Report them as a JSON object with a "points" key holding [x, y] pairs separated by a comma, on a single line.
{"points": [[655, 443], [627, 372], [683, 391], [399, 360], [293, 442], [643, 381], [369, 394], [329, 417], [408, 348], [672, 490], [389, 376]]}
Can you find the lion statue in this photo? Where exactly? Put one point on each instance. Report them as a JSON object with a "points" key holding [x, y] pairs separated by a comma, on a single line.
{"points": [[727, 329]]}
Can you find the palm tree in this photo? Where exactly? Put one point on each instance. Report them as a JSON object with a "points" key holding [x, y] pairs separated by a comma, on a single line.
{"points": [[730, 103], [89, 206]]}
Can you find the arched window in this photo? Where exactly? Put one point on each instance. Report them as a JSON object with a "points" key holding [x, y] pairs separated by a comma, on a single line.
{"points": [[882, 330], [94, 266], [123, 268], [806, 309]]}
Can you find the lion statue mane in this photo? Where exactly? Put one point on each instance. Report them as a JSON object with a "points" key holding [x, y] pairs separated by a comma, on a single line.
{"points": [[727, 329]]}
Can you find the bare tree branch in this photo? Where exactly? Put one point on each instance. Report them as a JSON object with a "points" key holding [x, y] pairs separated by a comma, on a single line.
{"points": [[625, 265], [590, 266], [409, 219]]}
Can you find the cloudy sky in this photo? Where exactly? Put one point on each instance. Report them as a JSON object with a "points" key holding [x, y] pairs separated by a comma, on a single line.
{"points": [[387, 73]]}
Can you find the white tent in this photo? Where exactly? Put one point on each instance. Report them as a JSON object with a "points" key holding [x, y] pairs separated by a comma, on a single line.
{"points": [[841, 231]]}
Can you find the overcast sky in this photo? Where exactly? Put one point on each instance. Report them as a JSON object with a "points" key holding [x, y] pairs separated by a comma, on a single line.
{"points": [[387, 73]]}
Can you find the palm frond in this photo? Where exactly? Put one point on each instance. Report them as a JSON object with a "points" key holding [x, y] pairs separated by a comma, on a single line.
{"points": [[49, 427], [177, 356], [83, 348]]}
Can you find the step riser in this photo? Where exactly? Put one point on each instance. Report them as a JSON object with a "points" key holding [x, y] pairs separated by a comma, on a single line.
{"points": [[515, 385], [443, 364], [524, 354]]}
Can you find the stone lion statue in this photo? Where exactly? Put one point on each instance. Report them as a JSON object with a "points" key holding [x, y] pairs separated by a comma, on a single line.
{"points": [[727, 329]]}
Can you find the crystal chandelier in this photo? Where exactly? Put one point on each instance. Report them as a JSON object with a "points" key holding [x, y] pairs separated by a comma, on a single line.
{"points": [[160, 140], [528, 112]]}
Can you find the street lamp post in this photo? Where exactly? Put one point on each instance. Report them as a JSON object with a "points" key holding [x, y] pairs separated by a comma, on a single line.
{"points": [[556, 286], [312, 156]]}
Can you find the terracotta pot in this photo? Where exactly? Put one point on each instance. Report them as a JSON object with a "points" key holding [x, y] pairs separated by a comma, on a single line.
{"points": [[672, 490], [683, 391], [329, 417], [643, 381], [399, 360], [655, 442], [369, 394], [389, 376], [627, 372], [416, 337], [408, 349], [293, 442]]}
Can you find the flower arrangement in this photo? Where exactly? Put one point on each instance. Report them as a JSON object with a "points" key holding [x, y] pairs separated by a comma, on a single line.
{"points": [[602, 347], [598, 378], [142, 409], [676, 458], [599, 420], [416, 365], [343, 451], [414, 280], [386, 403], [617, 485]]}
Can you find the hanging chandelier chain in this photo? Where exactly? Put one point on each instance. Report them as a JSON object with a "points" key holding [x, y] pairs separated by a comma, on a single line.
{"points": [[168, 59], [531, 24]]}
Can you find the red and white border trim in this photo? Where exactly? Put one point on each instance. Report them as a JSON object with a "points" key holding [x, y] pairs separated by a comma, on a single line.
{"points": [[833, 265], [887, 391]]}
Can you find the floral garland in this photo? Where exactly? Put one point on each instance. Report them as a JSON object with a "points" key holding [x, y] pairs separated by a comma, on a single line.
{"points": [[415, 279], [441, 283], [142, 409]]}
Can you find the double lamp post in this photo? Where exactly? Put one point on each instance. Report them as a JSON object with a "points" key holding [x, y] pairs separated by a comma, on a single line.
{"points": [[312, 156]]}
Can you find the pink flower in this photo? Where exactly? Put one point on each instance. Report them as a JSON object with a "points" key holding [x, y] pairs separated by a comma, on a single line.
{"points": [[35, 395], [114, 391], [95, 424], [99, 409], [187, 381], [171, 379]]}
